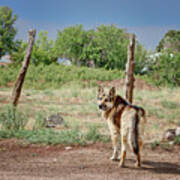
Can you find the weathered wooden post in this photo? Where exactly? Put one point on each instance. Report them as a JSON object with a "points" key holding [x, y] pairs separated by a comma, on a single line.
{"points": [[19, 81], [129, 79]]}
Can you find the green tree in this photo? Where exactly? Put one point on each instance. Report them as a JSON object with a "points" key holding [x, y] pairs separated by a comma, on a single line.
{"points": [[106, 46], [70, 42], [140, 58], [166, 70], [17, 55], [7, 30], [170, 42], [43, 50], [111, 44]]}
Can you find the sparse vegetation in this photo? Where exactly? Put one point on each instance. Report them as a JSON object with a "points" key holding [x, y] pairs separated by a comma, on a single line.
{"points": [[177, 140], [12, 119], [50, 136], [155, 144], [169, 104], [56, 76], [13, 125], [78, 107]]}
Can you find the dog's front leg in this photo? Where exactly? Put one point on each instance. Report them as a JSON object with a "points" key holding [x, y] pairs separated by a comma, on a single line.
{"points": [[114, 137]]}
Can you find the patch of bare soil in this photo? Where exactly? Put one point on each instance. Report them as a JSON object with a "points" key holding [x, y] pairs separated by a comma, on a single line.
{"points": [[119, 83], [34, 162]]}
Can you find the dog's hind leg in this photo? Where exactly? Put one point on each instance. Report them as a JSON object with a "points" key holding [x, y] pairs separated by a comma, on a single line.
{"points": [[138, 163], [123, 150]]}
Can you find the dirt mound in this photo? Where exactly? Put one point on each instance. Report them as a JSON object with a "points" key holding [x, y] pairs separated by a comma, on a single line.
{"points": [[119, 83]]}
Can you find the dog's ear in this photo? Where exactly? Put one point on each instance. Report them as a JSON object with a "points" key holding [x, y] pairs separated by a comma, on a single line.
{"points": [[112, 92], [100, 90]]}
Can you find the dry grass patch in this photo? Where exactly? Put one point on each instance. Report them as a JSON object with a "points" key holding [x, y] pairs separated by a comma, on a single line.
{"points": [[78, 107]]}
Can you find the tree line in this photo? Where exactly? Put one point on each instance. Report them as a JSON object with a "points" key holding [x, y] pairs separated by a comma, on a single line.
{"points": [[105, 46]]}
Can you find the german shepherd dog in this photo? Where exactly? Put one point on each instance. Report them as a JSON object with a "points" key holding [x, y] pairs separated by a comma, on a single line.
{"points": [[125, 118]]}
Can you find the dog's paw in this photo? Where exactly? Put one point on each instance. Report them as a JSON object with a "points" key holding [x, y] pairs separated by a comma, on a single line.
{"points": [[114, 158], [121, 164], [137, 164]]}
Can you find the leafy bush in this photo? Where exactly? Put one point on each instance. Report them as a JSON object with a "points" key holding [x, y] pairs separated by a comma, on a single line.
{"points": [[165, 70]]}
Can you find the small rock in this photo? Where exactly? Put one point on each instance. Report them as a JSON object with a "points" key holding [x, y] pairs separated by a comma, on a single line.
{"points": [[68, 148], [169, 134], [54, 120], [54, 160], [171, 142], [178, 131]]}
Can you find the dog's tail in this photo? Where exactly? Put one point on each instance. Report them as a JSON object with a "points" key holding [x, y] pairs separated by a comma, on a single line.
{"points": [[134, 130], [133, 134], [142, 118]]}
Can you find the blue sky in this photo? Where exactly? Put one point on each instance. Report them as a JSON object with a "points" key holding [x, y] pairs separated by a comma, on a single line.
{"points": [[148, 19]]}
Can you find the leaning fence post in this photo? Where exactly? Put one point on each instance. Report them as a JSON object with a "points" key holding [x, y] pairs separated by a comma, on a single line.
{"points": [[129, 79], [19, 81]]}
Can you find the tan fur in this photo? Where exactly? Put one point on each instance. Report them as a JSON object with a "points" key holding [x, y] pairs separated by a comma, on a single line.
{"points": [[124, 118]]}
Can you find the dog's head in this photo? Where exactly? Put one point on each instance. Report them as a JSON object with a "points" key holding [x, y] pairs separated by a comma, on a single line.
{"points": [[106, 101]]}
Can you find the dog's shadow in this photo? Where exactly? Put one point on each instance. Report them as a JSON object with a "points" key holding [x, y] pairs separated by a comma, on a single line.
{"points": [[160, 167], [163, 167]]}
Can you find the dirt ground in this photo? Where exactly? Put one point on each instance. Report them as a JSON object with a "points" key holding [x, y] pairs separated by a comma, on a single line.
{"points": [[32, 162]]}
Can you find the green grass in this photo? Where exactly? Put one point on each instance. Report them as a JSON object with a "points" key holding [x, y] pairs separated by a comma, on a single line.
{"points": [[55, 76], [155, 144], [177, 140], [93, 135], [173, 116], [13, 126], [157, 112], [169, 104], [49, 136], [71, 91], [12, 119], [81, 110], [39, 120]]}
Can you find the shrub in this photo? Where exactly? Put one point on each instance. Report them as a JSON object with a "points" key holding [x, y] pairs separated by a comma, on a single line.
{"points": [[12, 119], [166, 70]]}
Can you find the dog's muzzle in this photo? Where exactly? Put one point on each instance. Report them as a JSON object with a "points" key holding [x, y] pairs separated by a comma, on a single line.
{"points": [[102, 107]]}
